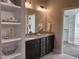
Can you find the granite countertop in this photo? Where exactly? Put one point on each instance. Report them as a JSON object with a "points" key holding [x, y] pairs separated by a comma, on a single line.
{"points": [[33, 37]]}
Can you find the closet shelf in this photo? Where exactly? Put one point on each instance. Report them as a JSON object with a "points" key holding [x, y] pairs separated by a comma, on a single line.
{"points": [[10, 40], [11, 56], [9, 5], [10, 23]]}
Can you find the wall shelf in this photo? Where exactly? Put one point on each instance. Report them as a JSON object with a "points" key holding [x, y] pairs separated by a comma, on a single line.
{"points": [[9, 5], [11, 56], [10, 40], [10, 23], [12, 26]]}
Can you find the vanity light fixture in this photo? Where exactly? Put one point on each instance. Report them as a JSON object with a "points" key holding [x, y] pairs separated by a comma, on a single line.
{"points": [[42, 8], [28, 4]]}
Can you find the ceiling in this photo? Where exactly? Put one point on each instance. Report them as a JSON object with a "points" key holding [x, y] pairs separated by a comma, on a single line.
{"points": [[40, 2], [70, 0], [43, 2], [46, 2]]}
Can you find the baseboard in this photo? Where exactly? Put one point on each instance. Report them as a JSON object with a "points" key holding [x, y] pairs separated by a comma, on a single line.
{"points": [[57, 51]]}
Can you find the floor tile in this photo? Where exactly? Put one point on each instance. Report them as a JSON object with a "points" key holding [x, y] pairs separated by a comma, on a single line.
{"points": [[58, 56]]}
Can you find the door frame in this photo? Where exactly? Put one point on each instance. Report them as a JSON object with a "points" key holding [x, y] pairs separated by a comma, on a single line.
{"points": [[62, 43]]}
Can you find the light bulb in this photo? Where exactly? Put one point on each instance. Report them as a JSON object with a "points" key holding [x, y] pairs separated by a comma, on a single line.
{"points": [[27, 5]]}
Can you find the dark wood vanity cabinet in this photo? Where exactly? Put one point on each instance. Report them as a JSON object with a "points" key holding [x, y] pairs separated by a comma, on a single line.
{"points": [[33, 49], [39, 47], [43, 46], [49, 44], [36, 49]]}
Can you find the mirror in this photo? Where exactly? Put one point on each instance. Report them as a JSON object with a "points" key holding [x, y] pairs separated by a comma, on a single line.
{"points": [[35, 21]]}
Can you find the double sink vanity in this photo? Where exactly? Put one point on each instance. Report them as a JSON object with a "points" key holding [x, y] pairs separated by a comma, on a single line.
{"points": [[39, 45]]}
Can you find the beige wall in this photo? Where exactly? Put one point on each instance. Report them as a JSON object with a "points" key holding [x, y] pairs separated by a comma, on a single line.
{"points": [[72, 4], [55, 14]]}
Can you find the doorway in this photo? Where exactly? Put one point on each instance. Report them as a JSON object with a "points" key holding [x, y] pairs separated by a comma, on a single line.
{"points": [[71, 32]]}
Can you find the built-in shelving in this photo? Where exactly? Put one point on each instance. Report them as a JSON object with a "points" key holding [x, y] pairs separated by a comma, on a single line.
{"points": [[11, 56], [10, 40], [11, 29], [10, 23], [10, 5]]}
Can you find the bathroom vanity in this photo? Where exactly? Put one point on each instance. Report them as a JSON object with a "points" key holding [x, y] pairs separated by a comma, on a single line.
{"points": [[38, 46]]}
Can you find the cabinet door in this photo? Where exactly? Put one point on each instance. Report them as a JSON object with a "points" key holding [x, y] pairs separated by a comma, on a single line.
{"points": [[36, 49], [35, 52], [33, 49], [43, 46], [52, 38], [28, 53], [49, 44], [29, 50]]}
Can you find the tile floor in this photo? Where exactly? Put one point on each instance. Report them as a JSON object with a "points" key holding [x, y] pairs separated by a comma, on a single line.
{"points": [[57, 56], [71, 49]]}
